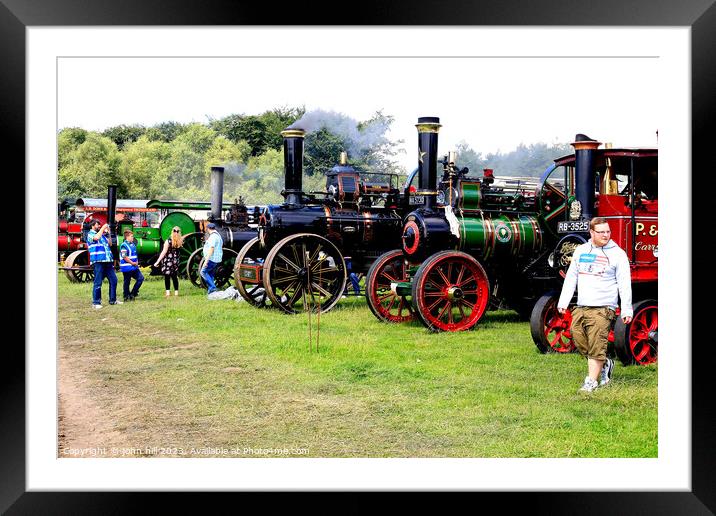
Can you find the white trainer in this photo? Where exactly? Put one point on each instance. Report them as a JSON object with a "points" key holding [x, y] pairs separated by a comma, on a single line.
{"points": [[589, 385], [606, 374], [97, 307]]}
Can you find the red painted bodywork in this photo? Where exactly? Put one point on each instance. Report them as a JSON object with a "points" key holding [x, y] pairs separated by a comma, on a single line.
{"points": [[641, 250]]}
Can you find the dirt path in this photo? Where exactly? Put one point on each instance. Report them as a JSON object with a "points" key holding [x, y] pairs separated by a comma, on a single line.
{"points": [[83, 429]]}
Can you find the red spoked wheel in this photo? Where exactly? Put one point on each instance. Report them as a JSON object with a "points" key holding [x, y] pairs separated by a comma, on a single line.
{"points": [[638, 341], [383, 300], [450, 291], [551, 331]]}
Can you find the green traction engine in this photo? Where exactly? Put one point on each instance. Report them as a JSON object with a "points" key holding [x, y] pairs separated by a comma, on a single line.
{"points": [[470, 241]]}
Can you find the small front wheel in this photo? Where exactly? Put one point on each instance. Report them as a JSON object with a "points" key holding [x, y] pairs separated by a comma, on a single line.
{"points": [[248, 269], [78, 268], [381, 288]]}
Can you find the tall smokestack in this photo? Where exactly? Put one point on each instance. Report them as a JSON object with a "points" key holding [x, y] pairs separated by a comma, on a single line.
{"points": [[585, 174], [428, 128], [293, 164], [217, 192], [111, 208]]}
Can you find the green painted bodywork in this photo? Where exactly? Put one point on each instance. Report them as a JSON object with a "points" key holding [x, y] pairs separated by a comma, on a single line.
{"points": [[404, 288], [470, 196], [177, 218], [147, 240], [500, 235]]}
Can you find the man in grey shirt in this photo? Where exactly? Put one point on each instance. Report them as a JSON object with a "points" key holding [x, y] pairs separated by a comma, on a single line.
{"points": [[213, 254], [600, 271]]}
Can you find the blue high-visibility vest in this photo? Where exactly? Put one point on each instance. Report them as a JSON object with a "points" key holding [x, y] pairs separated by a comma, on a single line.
{"points": [[98, 249], [130, 251]]}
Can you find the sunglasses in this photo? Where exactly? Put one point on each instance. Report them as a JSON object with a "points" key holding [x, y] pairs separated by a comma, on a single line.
{"points": [[175, 230]]}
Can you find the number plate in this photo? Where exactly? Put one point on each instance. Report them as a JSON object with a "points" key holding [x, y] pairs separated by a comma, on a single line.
{"points": [[573, 226], [416, 199]]}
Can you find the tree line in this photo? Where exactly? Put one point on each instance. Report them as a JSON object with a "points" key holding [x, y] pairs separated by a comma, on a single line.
{"points": [[172, 160]]}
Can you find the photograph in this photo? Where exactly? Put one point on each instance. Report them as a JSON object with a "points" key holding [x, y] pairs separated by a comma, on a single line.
{"points": [[281, 261], [316, 264]]}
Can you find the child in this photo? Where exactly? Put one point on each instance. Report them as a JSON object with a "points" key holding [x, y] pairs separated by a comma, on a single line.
{"points": [[129, 265]]}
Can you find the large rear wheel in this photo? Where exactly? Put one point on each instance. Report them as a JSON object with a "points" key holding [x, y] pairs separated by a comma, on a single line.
{"points": [[450, 291], [304, 272], [381, 288], [193, 265], [192, 242], [224, 271], [638, 341]]}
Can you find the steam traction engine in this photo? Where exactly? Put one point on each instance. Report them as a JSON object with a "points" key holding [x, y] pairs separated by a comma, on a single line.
{"points": [[298, 259], [77, 266], [149, 240], [74, 226], [620, 185], [467, 235], [236, 229]]}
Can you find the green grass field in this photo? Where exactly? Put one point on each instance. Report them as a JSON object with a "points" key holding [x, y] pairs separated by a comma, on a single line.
{"points": [[186, 372]]}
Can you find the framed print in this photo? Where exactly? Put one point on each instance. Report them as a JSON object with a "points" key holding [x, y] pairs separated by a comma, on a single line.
{"points": [[495, 84]]}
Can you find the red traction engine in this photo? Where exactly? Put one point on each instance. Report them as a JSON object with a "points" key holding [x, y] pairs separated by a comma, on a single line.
{"points": [[469, 240], [69, 237], [620, 185], [69, 231]]}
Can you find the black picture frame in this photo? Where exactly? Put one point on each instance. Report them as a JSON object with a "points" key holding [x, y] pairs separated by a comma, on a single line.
{"points": [[700, 15]]}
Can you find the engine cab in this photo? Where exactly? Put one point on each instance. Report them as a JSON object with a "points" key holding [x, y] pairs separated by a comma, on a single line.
{"points": [[624, 189]]}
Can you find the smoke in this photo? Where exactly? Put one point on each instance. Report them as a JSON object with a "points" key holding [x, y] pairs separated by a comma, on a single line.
{"points": [[356, 140], [233, 170]]}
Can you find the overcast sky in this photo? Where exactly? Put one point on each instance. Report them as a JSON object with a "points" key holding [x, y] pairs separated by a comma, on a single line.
{"points": [[491, 103]]}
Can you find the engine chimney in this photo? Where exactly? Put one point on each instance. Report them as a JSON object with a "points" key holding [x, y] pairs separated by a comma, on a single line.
{"points": [[111, 209], [293, 164], [217, 192], [584, 148], [428, 128]]}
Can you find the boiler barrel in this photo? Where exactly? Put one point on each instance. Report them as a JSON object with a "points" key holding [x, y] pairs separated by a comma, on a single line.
{"points": [[234, 238], [501, 235], [148, 247]]}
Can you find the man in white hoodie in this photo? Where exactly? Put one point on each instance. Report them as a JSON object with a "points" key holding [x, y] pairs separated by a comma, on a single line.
{"points": [[601, 273]]}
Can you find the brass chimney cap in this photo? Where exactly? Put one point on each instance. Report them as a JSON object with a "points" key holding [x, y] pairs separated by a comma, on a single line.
{"points": [[293, 133], [428, 128], [428, 124], [586, 145]]}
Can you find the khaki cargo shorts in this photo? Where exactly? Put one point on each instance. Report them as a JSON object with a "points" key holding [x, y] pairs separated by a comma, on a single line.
{"points": [[590, 330]]}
